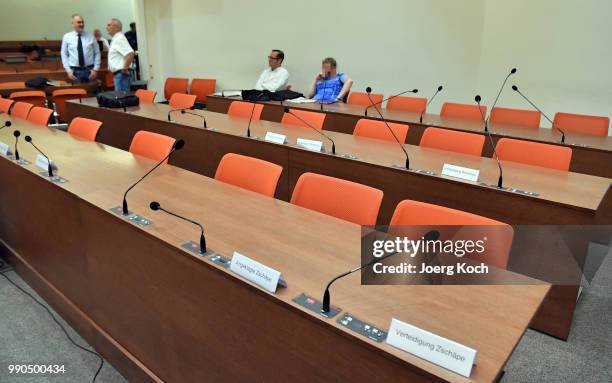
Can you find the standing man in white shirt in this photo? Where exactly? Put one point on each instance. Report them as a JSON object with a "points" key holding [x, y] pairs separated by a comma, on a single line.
{"points": [[80, 52], [275, 77], [120, 56]]}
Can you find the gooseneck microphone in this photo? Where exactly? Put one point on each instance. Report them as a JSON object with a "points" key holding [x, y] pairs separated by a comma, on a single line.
{"points": [[500, 180], [368, 91], [154, 205], [178, 145], [389, 98], [248, 134], [429, 102], [16, 133], [7, 124], [49, 167], [287, 110], [512, 71], [174, 111], [183, 111], [325, 307], [552, 124]]}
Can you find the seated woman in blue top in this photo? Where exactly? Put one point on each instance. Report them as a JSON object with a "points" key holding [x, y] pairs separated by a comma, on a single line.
{"points": [[330, 86]]}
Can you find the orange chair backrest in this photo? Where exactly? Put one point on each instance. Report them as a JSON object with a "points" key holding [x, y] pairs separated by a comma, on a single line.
{"points": [[518, 117], [175, 85], [249, 173], [415, 213], [408, 104], [314, 119], [34, 97], [340, 198], [360, 98], [466, 111], [202, 87], [5, 105], [182, 101], [21, 109], [377, 129], [151, 145], [84, 128], [534, 153], [146, 96], [453, 140], [582, 123], [40, 116], [60, 96], [12, 84], [244, 109]]}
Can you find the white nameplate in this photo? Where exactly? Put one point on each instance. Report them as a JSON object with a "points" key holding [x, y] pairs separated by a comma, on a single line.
{"points": [[42, 163], [5, 150], [431, 347], [276, 138], [460, 172], [256, 272], [316, 146]]}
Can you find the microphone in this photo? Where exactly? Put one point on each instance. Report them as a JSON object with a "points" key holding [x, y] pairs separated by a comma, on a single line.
{"points": [[49, 167], [516, 89], [389, 98], [175, 110], [16, 133], [500, 183], [325, 307], [178, 145], [252, 113], [512, 71], [287, 110], [429, 102], [368, 91], [154, 205], [183, 111], [7, 124]]}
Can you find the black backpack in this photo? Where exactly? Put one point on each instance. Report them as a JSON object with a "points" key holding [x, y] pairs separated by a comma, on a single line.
{"points": [[117, 99], [36, 82]]}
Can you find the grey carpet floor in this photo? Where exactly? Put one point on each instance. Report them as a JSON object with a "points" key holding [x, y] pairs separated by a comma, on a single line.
{"points": [[28, 334]]}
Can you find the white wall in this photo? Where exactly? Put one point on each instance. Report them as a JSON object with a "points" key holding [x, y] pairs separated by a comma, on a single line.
{"points": [[562, 49], [390, 45], [50, 19]]}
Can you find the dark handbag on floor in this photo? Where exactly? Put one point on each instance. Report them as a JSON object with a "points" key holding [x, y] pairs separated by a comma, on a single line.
{"points": [[117, 99], [36, 82]]}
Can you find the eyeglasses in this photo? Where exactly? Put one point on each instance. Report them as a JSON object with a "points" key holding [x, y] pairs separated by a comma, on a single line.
{"points": [[272, 58]]}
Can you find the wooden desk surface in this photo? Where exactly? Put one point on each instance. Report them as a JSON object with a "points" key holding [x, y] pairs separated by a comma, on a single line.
{"points": [[173, 337]]}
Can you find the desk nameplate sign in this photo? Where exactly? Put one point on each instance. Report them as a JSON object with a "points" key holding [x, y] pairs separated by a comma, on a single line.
{"points": [[315, 146], [460, 172], [431, 347], [276, 138], [260, 274], [5, 150], [43, 163]]}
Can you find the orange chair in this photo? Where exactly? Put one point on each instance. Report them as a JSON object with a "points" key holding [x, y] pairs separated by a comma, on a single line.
{"points": [[314, 119], [21, 109], [466, 111], [415, 213], [249, 173], [84, 128], [534, 153], [378, 129], [146, 96], [175, 85], [452, 140], [518, 117], [5, 105], [60, 96], [202, 87], [12, 84], [582, 123], [182, 101], [34, 97], [244, 109], [408, 104], [340, 198], [40, 116], [151, 145], [360, 98]]}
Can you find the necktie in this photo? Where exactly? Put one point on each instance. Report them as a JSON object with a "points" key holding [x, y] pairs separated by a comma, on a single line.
{"points": [[80, 52]]}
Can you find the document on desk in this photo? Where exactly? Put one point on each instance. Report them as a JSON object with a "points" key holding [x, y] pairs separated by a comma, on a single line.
{"points": [[302, 100], [228, 93]]}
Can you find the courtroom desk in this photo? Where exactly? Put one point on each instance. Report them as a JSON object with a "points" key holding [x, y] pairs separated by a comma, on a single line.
{"points": [[6, 91], [51, 75], [160, 313], [591, 154]]}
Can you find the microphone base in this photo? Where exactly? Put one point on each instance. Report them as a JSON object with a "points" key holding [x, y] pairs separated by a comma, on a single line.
{"points": [[134, 218], [252, 137], [366, 329], [56, 179], [194, 248], [315, 305], [511, 190], [343, 155], [23, 162], [414, 170], [220, 260]]}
